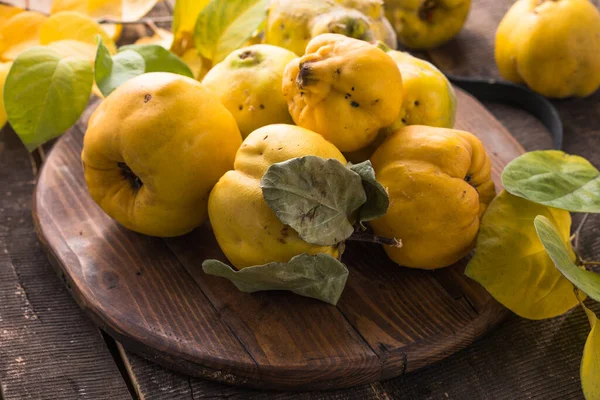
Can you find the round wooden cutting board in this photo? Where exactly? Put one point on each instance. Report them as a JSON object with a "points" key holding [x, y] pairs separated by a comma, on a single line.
{"points": [[152, 295]]}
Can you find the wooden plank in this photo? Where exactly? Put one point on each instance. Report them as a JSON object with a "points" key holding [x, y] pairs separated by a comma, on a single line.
{"points": [[127, 283], [153, 382], [48, 349]]}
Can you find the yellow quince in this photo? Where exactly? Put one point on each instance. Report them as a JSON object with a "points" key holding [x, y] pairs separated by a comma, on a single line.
{"points": [[439, 183], [247, 230], [344, 89], [428, 99], [248, 83], [425, 24], [153, 150], [552, 46], [293, 23]]}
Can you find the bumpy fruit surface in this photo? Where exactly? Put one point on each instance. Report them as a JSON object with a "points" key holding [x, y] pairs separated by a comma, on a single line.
{"points": [[292, 23], [248, 83], [247, 230], [344, 89], [153, 150], [428, 100], [439, 183], [425, 24], [552, 46]]}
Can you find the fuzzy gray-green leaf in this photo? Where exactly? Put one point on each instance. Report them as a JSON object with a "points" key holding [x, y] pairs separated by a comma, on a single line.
{"points": [[315, 196], [555, 179], [587, 281], [318, 276], [378, 200]]}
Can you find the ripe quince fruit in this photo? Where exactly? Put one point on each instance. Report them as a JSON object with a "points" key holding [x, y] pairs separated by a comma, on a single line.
{"points": [[248, 82], [552, 46], [428, 99], [247, 230], [425, 24], [439, 183], [153, 150], [344, 89], [291, 24]]}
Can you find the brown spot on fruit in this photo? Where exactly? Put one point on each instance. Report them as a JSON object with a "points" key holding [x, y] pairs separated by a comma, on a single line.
{"points": [[147, 98]]}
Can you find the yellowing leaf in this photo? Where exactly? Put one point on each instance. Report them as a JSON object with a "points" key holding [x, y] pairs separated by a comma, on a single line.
{"points": [[4, 68], [136, 9], [74, 48], [20, 32], [224, 26], [6, 13], [68, 5], [114, 31], [162, 38], [184, 18], [590, 363], [196, 63], [512, 264], [71, 25]]}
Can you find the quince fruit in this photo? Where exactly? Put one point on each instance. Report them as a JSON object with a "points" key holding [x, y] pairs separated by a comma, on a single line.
{"points": [[153, 150], [428, 99], [439, 184], [248, 82], [291, 24], [425, 24], [552, 46], [247, 230], [344, 89]]}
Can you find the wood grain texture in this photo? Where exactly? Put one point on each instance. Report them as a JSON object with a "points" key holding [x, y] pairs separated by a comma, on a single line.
{"points": [[48, 348], [152, 295]]}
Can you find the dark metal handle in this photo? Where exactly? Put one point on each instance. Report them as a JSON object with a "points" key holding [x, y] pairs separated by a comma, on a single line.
{"points": [[487, 89]]}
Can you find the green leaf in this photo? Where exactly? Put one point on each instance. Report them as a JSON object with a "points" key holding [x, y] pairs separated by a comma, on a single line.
{"points": [[224, 26], [111, 72], [555, 179], [45, 94], [512, 264], [378, 200], [590, 362], [318, 276], [315, 196], [586, 281], [159, 59]]}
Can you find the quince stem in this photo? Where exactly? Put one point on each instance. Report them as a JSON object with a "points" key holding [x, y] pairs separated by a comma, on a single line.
{"points": [[371, 238]]}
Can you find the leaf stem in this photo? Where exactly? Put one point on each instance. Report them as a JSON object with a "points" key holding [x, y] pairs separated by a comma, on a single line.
{"points": [[145, 21], [371, 238], [576, 234], [584, 263]]}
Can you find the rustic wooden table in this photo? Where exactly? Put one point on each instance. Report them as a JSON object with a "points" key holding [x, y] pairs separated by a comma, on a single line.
{"points": [[50, 350]]}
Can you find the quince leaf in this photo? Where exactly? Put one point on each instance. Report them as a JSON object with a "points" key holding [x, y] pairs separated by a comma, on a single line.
{"points": [[45, 94], [159, 59], [555, 179], [315, 196], [111, 72], [590, 362], [378, 200], [185, 15], [319, 276], [512, 264], [71, 25], [587, 281], [224, 26], [20, 32], [4, 68]]}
